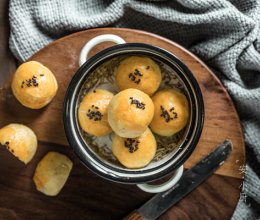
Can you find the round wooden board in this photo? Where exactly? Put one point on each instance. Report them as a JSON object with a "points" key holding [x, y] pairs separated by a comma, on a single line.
{"points": [[86, 195]]}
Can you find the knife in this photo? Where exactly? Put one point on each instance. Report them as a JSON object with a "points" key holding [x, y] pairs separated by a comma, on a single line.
{"points": [[191, 178]]}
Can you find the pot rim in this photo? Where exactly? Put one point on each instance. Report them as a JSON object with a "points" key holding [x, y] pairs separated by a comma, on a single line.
{"points": [[88, 158]]}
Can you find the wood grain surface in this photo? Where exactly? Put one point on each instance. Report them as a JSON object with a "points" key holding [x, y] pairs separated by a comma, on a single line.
{"points": [[61, 57], [86, 195]]}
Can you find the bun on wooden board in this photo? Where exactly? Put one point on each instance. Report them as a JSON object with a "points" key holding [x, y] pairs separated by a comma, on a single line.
{"points": [[34, 85], [52, 173], [20, 140]]}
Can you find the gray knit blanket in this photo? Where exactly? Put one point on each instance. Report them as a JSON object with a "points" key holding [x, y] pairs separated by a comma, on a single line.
{"points": [[224, 34]]}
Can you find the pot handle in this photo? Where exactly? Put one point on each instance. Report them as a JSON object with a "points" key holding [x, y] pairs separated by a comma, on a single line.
{"points": [[165, 186], [97, 40]]}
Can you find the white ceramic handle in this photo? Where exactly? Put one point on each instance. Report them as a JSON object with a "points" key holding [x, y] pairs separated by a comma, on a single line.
{"points": [[165, 186], [97, 40]]}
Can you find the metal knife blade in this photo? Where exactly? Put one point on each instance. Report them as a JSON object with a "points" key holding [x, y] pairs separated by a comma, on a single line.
{"points": [[158, 204]]}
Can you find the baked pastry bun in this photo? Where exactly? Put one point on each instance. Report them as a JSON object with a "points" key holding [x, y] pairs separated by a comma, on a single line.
{"points": [[134, 152], [171, 112], [130, 112], [19, 140], [52, 173], [34, 85], [140, 73], [92, 112]]}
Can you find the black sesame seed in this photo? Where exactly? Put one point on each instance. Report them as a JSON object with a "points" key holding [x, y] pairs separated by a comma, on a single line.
{"points": [[137, 72], [31, 82], [94, 115], [138, 81], [138, 104], [131, 144], [166, 115], [135, 76]]}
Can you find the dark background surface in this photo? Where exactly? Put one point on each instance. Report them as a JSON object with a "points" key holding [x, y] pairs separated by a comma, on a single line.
{"points": [[7, 62]]}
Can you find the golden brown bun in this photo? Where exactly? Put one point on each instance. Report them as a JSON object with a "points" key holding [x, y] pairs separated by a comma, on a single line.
{"points": [[52, 173], [19, 140], [92, 113], [128, 118], [34, 85], [171, 112], [134, 153], [140, 73]]}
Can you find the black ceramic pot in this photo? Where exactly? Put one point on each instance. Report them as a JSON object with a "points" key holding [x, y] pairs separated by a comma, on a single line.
{"points": [[158, 169]]}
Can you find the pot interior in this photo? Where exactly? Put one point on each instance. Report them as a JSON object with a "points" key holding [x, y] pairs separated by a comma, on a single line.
{"points": [[104, 77]]}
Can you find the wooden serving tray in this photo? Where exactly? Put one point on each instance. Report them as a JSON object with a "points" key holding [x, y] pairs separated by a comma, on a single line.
{"points": [[86, 195]]}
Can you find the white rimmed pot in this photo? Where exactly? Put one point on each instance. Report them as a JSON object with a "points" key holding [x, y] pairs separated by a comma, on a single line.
{"points": [[172, 163]]}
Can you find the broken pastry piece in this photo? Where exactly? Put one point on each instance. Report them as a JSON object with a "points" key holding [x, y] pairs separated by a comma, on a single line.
{"points": [[20, 140], [52, 173]]}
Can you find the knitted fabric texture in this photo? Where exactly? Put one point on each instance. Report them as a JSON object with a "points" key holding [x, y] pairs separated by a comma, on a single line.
{"points": [[224, 34]]}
